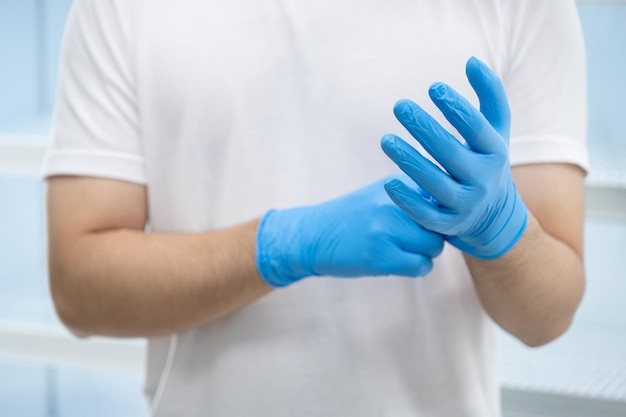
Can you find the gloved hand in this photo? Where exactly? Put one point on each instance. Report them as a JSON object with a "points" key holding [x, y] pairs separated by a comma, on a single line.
{"points": [[360, 234], [475, 203]]}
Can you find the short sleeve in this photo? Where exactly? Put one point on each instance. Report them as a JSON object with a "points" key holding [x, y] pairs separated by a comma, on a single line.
{"points": [[96, 125], [546, 82]]}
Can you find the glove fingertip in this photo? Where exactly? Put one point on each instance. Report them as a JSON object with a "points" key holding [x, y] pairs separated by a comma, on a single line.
{"points": [[438, 90], [475, 67], [394, 186], [425, 267], [388, 142], [473, 63], [404, 108]]}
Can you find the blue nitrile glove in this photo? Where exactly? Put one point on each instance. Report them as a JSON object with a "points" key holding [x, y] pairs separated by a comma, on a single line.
{"points": [[360, 234], [475, 203]]}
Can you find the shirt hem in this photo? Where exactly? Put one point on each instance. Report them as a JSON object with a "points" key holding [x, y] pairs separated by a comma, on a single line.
{"points": [[548, 149], [104, 164]]}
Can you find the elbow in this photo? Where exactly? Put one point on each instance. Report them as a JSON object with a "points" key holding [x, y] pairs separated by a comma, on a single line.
{"points": [[72, 324], [552, 326], [67, 305], [547, 334]]}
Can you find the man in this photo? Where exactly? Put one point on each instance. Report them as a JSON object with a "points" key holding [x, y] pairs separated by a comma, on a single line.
{"points": [[180, 121]]}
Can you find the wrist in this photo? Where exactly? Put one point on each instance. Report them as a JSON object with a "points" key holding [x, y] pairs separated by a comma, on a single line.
{"points": [[510, 233], [501, 233]]}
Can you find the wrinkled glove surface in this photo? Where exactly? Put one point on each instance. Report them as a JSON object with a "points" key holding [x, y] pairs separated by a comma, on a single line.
{"points": [[473, 201], [360, 234]]}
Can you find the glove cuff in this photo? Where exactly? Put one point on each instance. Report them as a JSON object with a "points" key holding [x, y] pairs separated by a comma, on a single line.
{"points": [[511, 232], [275, 248], [508, 235]]}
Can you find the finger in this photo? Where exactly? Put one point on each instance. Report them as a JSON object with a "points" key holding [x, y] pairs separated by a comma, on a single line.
{"points": [[467, 120], [426, 174], [412, 237], [424, 213], [491, 94], [408, 264], [461, 244], [437, 141]]}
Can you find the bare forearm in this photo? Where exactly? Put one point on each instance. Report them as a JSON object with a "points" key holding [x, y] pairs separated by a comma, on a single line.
{"points": [[130, 283], [533, 290]]}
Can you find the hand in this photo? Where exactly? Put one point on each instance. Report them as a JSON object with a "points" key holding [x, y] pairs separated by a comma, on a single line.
{"points": [[474, 203], [360, 234]]}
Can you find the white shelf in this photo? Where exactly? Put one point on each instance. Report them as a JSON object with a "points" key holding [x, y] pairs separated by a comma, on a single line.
{"points": [[519, 403], [53, 344], [606, 183], [22, 154], [604, 202], [608, 165]]}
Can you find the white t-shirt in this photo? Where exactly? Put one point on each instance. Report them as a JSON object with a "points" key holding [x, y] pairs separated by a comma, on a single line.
{"points": [[225, 109]]}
